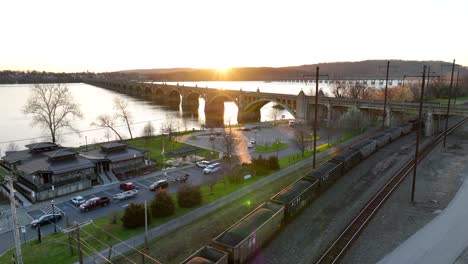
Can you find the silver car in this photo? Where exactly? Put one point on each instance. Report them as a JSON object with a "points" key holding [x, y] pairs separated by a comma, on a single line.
{"points": [[212, 168]]}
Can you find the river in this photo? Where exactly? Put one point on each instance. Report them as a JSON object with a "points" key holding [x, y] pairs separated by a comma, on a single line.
{"points": [[15, 126]]}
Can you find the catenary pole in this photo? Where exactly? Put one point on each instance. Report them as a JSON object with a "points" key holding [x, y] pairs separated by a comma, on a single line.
{"points": [[448, 105], [418, 133]]}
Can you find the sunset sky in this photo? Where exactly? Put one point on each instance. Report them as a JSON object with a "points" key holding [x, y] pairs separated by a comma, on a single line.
{"points": [[116, 35]]}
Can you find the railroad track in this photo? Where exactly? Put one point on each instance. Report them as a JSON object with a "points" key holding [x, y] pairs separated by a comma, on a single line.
{"points": [[337, 249]]}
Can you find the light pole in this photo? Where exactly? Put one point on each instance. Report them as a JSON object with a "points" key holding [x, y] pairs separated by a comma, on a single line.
{"points": [[277, 143], [134, 162], [53, 214]]}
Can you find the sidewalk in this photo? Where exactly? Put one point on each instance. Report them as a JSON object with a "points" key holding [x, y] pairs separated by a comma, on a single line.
{"points": [[440, 241], [137, 241]]}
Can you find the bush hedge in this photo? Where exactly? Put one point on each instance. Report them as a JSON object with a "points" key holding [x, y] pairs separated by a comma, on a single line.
{"points": [[189, 196], [162, 205], [134, 216]]}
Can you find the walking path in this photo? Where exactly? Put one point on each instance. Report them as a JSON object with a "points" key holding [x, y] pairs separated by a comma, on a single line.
{"points": [[440, 241], [137, 241]]}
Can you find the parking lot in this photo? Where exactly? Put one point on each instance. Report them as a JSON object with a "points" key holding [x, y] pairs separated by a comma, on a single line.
{"points": [[72, 212]]}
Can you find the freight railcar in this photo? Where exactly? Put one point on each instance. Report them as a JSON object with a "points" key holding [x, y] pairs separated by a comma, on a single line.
{"points": [[394, 132], [296, 196], [365, 148], [207, 255], [326, 174], [349, 158], [381, 138], [243, 238], [406, 128]]}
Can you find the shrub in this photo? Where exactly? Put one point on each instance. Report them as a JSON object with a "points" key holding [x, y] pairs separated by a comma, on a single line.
{"points": [[162, 205], [133, 216], [189, 196], [236, 174], [273, 163]]}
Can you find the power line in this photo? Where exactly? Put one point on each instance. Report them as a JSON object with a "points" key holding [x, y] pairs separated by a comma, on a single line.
{"points": [[110, 234], [110, 247]]}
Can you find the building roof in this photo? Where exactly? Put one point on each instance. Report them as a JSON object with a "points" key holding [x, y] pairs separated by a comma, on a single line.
{"points": [[43, 163], [41, 145], [58, 153], [15, 156], [113, 146], [114, 156]]}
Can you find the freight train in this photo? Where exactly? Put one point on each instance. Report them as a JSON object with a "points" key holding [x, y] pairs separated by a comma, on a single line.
{"points": [[243, 239]]}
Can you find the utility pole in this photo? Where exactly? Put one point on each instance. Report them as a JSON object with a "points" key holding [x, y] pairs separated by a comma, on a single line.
{"points": [[448, 105], [317, 70], [146, 226], [19, 256], [385, 96], [76, 228], [78, 245], [418, 132], [456, 87]]}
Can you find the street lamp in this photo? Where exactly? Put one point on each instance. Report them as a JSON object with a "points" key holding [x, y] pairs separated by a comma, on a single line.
{"points": [[53, 216], [134, 161]]}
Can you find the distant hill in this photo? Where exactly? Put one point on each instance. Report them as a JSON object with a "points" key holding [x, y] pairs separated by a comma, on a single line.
{"points": [[360, 69]]}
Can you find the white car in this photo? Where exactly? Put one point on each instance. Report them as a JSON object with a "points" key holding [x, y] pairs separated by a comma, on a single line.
{"points": [[161, 184], [212, 168], [125, 195], [203, 163], [78, 200]]}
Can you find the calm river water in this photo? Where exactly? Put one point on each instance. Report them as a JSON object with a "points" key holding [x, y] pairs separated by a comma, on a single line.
{"points": [[15, 126]]}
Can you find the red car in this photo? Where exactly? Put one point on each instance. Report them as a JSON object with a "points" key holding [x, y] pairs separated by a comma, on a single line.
{"points": [[128, 186], [94, 203]]}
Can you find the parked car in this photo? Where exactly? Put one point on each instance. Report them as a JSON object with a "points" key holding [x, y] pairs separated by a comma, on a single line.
{"points": [[244, 129], [253, 141], [78, 200], [212, 168], [161, 184], [125, 195], [94, 203], [128, 186], [203, 163], [218, 133], [46, 219], [250, 145], [212, 137]]}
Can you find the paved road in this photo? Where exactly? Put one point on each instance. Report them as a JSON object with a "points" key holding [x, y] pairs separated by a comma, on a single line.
{"points": [[266, 135], [73, 213]]}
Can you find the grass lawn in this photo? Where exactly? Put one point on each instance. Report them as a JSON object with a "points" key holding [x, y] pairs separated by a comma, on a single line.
{"points": [[171, 248], [154, 147], [295, 158], [273, 147], [3, 171], [178, 245], [460, 100], [54, 248]]}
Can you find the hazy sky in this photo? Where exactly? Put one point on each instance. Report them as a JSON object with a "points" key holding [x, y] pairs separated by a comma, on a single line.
{"points": [[100, 35]]}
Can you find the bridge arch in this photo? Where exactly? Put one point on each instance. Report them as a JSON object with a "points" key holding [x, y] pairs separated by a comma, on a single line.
{"points": [[258, 104], [222, 98]]}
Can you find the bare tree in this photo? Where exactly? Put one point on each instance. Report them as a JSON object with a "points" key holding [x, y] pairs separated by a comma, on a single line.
{"points": [[106, 121], [148, 131], [275, 112], [169, 128], [12, 147], [52, 107], [357, 91], [228, 144], [121, 106], [301, 133], [338, 89]]}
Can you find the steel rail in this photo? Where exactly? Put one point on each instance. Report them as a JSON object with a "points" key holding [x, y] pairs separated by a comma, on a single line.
{"points": [[336, 251]]}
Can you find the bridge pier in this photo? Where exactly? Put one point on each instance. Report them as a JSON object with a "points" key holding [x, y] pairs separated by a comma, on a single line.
{"points": [[251, 116], [429, 125], [388, 116], [303, 111], [214, 114]]}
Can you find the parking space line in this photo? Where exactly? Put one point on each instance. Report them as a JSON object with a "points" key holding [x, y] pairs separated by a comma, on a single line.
{"points": [[108, 193], [142, 184]]}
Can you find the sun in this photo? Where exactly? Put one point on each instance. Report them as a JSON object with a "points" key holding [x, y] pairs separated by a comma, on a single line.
{"points": [[222, 69]]}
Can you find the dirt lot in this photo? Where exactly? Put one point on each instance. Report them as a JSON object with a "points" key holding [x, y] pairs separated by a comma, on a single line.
{"points": [[439, 177]]}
